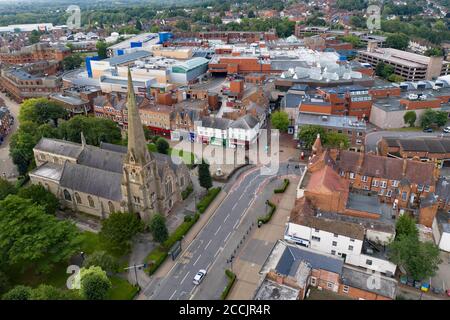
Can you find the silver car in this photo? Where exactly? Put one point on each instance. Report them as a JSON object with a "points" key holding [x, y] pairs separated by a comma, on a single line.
{"points": [[199, 276]]}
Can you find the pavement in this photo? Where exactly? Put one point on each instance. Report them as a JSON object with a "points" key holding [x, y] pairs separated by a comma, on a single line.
{"points": [[210, 241], [7, 167]]}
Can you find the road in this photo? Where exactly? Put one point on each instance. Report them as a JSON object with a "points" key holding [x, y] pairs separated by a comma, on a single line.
{"points": [[372, 138], [7, 167], [209, 243]]}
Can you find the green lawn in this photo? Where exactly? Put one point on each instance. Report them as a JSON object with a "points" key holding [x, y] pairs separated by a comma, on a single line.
{"points": [[121, 289], [90, 242]]}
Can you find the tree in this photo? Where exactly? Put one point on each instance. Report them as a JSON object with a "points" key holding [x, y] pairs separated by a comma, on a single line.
{"points": [[419, 259], [138, 25], [398, 41], [158, 228], [336, 140], [410, 118], [34, 37], [217, 21], [40, 196], [308, 134], [395, 78], [18, 293], [251, 14], [406, 226], [434, 52], [162, 145], [31, 237], [431, 117], [4, 282], [102, 48], [182, 25], [47, 292], [119, 229], [21, 147], [72, 62], [154, 29], [354, 40], [103, 260], [41, 111], [94, 283], [204, 175], [6, 188], [384, 70], [280, 120]]}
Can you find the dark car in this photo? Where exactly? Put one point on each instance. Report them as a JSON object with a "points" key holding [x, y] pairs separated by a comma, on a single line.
{"points": [[427, 130]]}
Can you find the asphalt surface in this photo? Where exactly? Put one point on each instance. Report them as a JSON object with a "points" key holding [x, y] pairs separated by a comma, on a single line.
{"points": [[209, 243], [7, 167]]}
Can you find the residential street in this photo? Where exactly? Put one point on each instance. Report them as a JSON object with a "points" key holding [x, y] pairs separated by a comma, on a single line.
{"points": [[7, 167], [213, 239]]}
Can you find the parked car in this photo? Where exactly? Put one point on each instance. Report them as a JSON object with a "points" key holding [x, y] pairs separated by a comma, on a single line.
{"points": [[199, 276], [446, 130], [427, 130]]}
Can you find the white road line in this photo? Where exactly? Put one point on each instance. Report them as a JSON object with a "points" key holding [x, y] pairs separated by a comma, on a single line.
{"points": [[172, 295], [227, 237], [237, 222], [197, 260], [218, 251], [207, 245], [207, 267], [187, 273], [227, 217], [217, 231]]}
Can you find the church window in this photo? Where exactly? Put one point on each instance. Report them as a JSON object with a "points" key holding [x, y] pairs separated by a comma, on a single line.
{"points": [[67, 195], [91, 201], [111, 207], [77, 198], [169, 187]]}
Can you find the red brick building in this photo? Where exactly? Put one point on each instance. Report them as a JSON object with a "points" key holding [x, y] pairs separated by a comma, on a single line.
{"points": [[34, 53]]}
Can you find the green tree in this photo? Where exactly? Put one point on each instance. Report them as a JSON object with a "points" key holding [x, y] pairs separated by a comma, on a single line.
{"points": [[434, 52], [4, 282], [154, 29], [6, 188], [419, 259], [138, 25], [158, 228], [31, 237], [182, 25], [102, 48], [72, 62], [280, 120], [41, 111], [397, 41], [40, 196], [19, 292], [21, 147], [354, 40], [204, 175], [431, 118], [217, 21], [34, 37], [162, 145], [119, 230], [410, 118], [395, 78], [406, 226], [308, 134], [94, 283], [251, 14], [103, 260], [336, 140], [48, 292]]}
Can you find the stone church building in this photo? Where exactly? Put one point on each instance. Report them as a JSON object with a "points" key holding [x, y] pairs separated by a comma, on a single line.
{"points": [[109, 178]]}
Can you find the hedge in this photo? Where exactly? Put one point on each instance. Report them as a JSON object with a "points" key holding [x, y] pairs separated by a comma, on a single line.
{"points": [[283, 188], [180, 232], [206, 201], [267, 217], [186, 192], [231, 279], [157, 257]]}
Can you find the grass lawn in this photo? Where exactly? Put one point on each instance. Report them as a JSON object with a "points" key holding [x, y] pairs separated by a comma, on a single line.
{"points": [[121, 289], [407, 129], [90, 242]]}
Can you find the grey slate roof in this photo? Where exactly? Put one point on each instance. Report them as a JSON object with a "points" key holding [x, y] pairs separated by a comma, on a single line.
{"points": [[292, 100], [246, 122], [93, 181], [61, 147], [113, 147], [292, 256], [432, 145], [216, 123], [101, 159]]}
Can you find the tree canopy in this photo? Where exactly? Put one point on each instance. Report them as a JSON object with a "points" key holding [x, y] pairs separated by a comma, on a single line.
{"points": [[40, 196], [102, 49], [103, 260], [158, 228], [41, 111], [162, 145], [94, 283], [280, 120], [6, 188], [71, 62], [308, 135], [433, 118], [204, 175], [397, 41], [410, 117]]}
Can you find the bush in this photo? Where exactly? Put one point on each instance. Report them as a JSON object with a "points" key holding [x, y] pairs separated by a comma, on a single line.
{"points": [[186, 192], [157, 257], [231, 279], [267, 217], [187, 218], [206, 201], [283, 188]]}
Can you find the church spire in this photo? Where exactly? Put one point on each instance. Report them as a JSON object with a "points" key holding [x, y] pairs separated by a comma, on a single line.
{"points": [[137, 147], [317, 146]]}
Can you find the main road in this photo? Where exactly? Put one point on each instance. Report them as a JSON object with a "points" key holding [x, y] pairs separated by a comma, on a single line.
{"points": [[209, 243]]}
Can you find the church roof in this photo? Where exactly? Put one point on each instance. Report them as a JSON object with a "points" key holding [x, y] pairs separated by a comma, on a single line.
{"points": [[61, 147], [101, 183], [101, 159]]}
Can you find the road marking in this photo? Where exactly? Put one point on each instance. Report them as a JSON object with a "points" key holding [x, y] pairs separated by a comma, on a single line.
{"points": [[208, 244], [218, 251], [197, 260], [227, 237], [184, 277], [207, 267], [227, 216], [218, 229], [237, 222], [172, 295]]}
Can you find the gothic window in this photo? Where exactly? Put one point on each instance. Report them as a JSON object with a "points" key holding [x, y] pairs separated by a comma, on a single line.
{"points": [[77, 198], [181, 181], [169, 186], [91, 201], [133, 175], [111, 207], [67, 195]]}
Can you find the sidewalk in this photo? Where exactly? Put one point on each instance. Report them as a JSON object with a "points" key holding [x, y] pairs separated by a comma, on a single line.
{"points": [[261, 241], [168, 264]]}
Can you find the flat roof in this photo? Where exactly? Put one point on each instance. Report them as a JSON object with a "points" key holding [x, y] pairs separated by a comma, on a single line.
{"points": [[343, 122], [129, 57], [270, 290], [410, 59]]}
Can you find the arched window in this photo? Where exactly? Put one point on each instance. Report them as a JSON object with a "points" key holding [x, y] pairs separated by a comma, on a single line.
{"points": [[67, 195], [111, 207], [169, 186], [77, 198], [181, 181], [91, 201]]}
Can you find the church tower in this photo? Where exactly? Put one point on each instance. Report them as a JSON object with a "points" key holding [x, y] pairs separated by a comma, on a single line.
{"points": [[141, 184]]}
